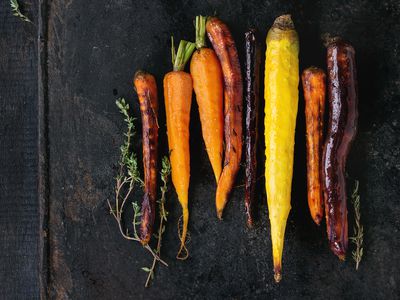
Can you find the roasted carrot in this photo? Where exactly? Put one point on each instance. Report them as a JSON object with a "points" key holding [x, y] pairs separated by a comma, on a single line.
{"points": [[342, 128], [208, 86], [224, 46], [281, 100], [314, 95], [253, 57], [178, 90], [146, 88]]}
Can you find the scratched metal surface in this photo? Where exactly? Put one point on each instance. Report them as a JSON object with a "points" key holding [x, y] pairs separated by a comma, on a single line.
{"points": [[90, 53]]}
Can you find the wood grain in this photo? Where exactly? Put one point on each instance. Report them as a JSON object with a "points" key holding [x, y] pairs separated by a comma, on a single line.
{"points": [[19, 205]]}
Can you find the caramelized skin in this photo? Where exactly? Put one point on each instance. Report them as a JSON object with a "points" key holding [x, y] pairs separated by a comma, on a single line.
{"points": [[342, 128], [253, 57], [226, 51], [314, 95], [146, 88]]}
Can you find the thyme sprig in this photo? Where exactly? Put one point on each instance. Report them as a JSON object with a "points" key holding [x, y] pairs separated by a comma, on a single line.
{"points": [[126, 180], [358, 237], [15, 8], [165, 173]]}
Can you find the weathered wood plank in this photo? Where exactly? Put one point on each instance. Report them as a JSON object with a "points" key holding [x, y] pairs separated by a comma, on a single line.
{"points": [[19, 213]]}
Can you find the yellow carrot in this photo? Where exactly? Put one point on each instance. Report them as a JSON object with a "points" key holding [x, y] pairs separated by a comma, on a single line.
{"points": [[281, 99]]}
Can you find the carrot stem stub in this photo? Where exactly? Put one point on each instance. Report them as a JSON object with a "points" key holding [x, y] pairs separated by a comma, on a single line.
{"points": [[225, 48], [178, 98], [314, 95], [146, 88]]}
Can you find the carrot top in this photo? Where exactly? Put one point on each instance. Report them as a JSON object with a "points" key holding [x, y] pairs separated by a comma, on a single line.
{"points": [[200, 31], [180, 58]]}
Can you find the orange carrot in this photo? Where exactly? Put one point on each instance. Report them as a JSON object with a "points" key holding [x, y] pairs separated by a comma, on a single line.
{"points": [[314, 96], [178, 90], [207, 83], [225, 48], [146, 88]]}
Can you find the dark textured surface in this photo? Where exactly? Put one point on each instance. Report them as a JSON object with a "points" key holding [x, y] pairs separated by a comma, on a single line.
{"points": [[93, 51], [19, 206]]}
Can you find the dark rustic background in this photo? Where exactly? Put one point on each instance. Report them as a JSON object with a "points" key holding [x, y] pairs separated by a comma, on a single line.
{"points": [[60, 134]]}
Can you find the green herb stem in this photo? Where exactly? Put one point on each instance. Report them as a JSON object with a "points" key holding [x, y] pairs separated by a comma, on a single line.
{"points": [[358, 237], [15, 8]]}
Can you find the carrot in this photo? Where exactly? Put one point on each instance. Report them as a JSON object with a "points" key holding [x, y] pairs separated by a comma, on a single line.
{"points": [[178, 90], [146, 88], [225, 48], [342, 129], [253, 57], [207, 83], [314, 95], [281, 100]]}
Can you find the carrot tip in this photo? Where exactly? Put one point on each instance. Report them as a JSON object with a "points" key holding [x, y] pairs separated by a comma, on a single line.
{"points": [[219, 214], [277, 277]]}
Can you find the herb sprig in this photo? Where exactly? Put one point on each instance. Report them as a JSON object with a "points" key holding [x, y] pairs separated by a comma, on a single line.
{"points": [[165, 173], [126, 180], [358, 237], [15, 8]]}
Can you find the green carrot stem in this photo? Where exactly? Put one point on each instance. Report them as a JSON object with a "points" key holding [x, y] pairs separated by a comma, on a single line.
{"points": [[200, 31], [180, 59]]}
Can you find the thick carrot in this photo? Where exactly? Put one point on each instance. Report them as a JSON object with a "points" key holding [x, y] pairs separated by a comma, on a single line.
{"points": [[225, 48], [281, 100], [146, 88], [314, 95], [207, 83], [178, 90], [342, 129]]}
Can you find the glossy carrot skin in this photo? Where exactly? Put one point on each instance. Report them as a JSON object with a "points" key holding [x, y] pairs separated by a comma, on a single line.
{"points": [[281, 102], [225, 48], [146, 88], [178, 90], [208, 86], [314, 88], [253, 57], [342, 128]]}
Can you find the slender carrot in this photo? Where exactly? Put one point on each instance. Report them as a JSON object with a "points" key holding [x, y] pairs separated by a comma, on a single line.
{"points": [[146, 88], [224, 46], [207, 83], [178, 90], [314, 95], [281, 100], [253, 57], [342, 129]]}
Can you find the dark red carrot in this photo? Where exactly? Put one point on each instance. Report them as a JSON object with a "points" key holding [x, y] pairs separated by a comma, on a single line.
{"points": [[146, 88], [253, 56], [225, 48], [342, 128]]}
